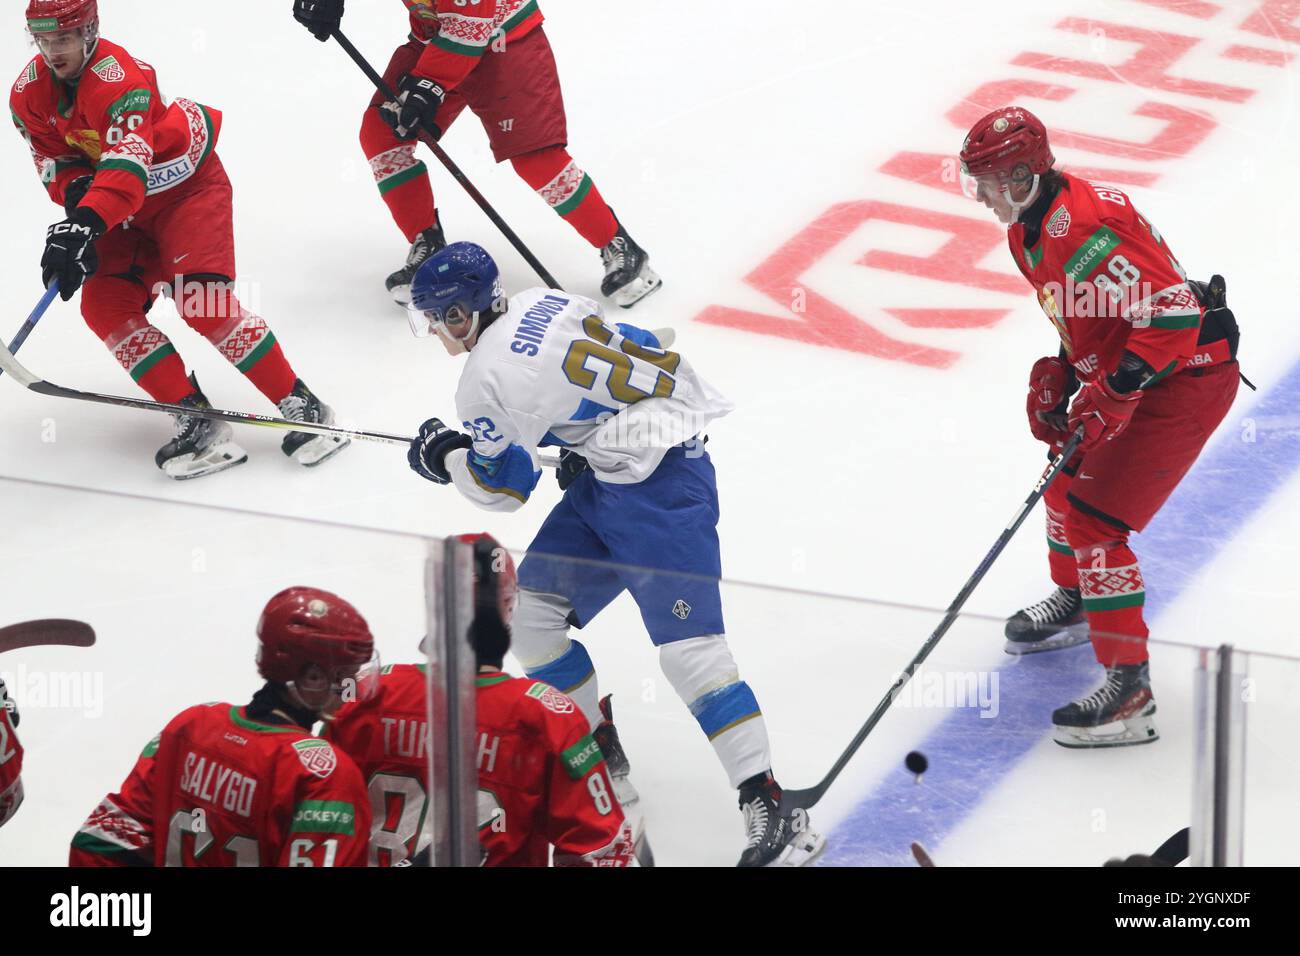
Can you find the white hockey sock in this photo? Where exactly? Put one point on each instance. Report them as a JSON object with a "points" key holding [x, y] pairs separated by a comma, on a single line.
{"points": [[540, 642]]}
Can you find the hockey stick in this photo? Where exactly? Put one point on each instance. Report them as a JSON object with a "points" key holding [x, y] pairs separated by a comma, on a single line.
{"points": [[795, 800], [46, 632], [36, 384], [37, 313], [425, 137]]}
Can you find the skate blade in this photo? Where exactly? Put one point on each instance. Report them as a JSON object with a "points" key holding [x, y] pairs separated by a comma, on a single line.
{"points": [[319, 450], [802, 850], [1072, 636], [645, 284], [1120, 733], [624, 791], [215, 458]]}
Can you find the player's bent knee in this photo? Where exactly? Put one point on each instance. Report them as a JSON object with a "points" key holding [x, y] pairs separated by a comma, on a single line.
{"points": [[111, 304], [540, 628], [1087, 532], [698, 666]]}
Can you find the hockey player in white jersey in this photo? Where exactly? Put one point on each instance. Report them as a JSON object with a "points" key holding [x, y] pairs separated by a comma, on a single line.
{"points": [[545, 370]]}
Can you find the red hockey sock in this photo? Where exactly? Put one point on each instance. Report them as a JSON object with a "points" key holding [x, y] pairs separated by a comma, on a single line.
{"points": [[115, 311], [1060, 556], [569, 191], [1112, 588], [403, 180], [243, 338]]}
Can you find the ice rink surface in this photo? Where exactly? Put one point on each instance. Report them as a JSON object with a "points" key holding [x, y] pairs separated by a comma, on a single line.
{"points": [[790, 175]]}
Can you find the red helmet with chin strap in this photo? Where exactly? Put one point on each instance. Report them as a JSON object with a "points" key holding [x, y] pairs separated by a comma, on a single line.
{"points": [[302, 626], [52, 16], [1010, 143]]}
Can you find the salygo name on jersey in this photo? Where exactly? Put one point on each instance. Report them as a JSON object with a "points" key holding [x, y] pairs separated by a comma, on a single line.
{"points": [[218, 785], [130, 910]]}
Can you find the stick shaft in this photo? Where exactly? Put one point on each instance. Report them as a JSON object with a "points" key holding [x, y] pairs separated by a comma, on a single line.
{"points": [[359, 59], [37, 313], [807, 798]]}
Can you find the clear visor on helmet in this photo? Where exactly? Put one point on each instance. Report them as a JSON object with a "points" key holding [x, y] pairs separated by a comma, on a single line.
{"points": [[325, 691], [62, 44], [456, 322]]}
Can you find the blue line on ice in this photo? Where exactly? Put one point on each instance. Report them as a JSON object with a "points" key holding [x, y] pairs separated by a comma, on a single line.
{"points": [[970, 755]]}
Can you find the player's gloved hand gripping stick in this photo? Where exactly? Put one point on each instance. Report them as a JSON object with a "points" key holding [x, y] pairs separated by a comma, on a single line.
{"points": [[428, 139], [792, 800]]}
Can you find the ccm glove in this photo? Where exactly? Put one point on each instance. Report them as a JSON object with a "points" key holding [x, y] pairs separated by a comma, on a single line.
{"points": [[428, 453], [320, 17], [70, 253], [1048, 400], [1103, 412], [418, 102]]}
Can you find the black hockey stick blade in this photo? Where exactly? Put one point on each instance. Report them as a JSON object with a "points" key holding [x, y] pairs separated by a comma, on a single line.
{"points": [[51, 631], [794, 800]]}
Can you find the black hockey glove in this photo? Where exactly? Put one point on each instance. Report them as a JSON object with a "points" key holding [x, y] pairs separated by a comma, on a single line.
{"points": [[70, 253], [428, 453], [320, 17], [418, 102], [6, 702], [571, 466], [76, 192]]}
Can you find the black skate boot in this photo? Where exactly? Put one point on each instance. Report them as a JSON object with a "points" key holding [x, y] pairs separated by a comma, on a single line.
{"points": [[628, 276], [306, 449], [1053, 623], [773, 839], [201, 446], [1118, 714], [425, 245], [616, 761]]}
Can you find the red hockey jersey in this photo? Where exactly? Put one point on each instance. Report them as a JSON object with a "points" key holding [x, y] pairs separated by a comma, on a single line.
{"points": [[1109, 282], [112, 124], [458, 34], [217, 789], [542, 779], [11, 768]]}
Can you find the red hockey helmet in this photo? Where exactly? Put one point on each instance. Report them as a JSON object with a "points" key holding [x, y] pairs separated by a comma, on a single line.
{"points": [[52, 16], [303, 626], [496, 586], [1010, 143]]}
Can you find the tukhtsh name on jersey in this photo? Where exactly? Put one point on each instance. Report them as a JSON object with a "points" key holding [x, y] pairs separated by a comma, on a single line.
{"points": [[535, 324], [218, 785]]}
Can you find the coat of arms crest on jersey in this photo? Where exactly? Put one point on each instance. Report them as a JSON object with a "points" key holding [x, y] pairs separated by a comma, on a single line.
{"points": [[317, 756], [1059, 224], [109, 70]]}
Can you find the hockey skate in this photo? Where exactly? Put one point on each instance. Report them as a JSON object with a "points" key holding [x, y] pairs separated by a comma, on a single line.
{"points": [[774, 839], [201, 446], [616, 762], [1053, 623], [628, 276], [1118, 714], [425, 245], [308, 450]]}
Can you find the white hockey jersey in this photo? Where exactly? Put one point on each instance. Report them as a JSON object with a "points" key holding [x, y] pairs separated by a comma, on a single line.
{"points": [[550, 372]]}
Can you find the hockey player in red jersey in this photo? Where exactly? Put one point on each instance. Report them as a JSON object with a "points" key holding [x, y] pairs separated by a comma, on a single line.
{"points": [[225, 785], [542, 779], [11, 758], [148, 207], [492, 56], [1153, 358]]}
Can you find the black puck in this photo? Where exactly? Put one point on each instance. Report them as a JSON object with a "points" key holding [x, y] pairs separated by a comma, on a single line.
{"points": [[916, 763]]}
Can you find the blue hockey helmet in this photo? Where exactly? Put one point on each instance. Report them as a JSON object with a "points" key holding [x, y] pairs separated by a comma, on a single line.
{"points": [[451, 290]]}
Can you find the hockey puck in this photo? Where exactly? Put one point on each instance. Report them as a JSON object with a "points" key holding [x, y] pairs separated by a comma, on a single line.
{"points": [[916, 763]]}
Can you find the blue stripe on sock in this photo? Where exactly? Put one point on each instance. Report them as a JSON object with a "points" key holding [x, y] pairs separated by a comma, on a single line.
{"points": [[726, 705], [969, 755], [567, 671]]}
